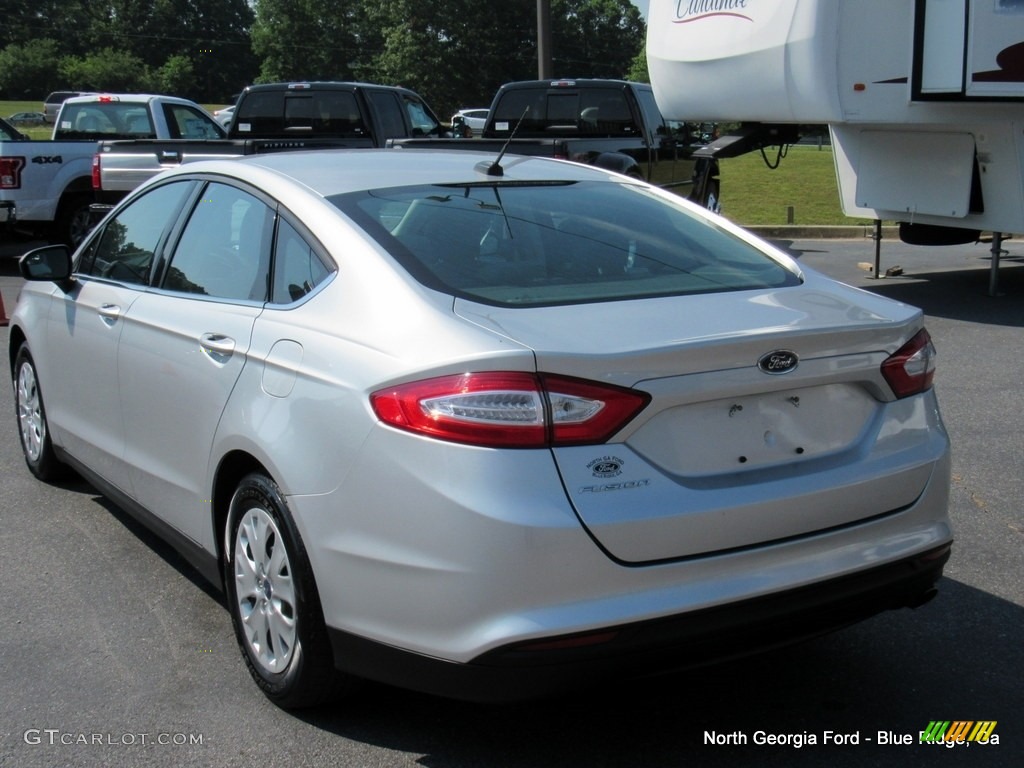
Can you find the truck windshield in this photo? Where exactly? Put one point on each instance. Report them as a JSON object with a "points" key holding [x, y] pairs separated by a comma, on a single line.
{"points": [[542, 244]]}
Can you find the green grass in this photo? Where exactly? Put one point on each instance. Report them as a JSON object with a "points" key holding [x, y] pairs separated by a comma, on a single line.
{"points": [[752, 193], [8, 108]]}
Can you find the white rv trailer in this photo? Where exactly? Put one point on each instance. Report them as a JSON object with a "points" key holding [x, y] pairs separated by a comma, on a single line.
{"points": [[924, 99]]}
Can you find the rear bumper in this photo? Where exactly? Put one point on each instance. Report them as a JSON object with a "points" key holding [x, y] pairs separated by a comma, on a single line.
{"points": [[548, 665]]}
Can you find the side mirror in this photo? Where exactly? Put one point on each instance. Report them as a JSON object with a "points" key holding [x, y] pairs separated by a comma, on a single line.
{"points": [[49, 263]]}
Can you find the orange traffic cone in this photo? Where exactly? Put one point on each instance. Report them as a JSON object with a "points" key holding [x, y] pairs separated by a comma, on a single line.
{"points": [[3, 313]]}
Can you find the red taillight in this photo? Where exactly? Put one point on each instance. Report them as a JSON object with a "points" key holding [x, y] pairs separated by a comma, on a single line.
{"points": [[911, 369], [10, 172], [96, 182], [508, 409]]}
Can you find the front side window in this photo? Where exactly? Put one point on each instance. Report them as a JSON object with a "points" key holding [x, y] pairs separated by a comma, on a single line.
{"points": [[224, 250], [185, 122], [423, 123], [549, 243], [124, 250]]}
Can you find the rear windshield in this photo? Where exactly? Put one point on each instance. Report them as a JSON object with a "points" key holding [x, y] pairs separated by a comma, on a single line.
{"points": [[305, 113], [105, 120], [59, 97], [529, 244], [587, 111]]}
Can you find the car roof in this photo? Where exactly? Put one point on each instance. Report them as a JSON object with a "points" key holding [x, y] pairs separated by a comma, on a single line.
{"points": [[321, 85], [337, 171], [573, 82], [127, 98]]}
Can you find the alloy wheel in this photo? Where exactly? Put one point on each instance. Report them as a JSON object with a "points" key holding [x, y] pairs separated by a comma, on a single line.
{"points": [[265, 591]]}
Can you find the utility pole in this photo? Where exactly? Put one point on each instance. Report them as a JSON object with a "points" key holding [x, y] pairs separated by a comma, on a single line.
{"points": [[544, 69]]}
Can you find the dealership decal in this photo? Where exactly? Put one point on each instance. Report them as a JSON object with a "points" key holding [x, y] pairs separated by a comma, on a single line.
{"points": [[945, 733], [695, 10], [606, 466], [955, 732]]}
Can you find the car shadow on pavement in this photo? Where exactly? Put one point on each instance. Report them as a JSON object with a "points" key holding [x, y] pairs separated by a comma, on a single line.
{"points": [[960, 294], [959, 657], [158, 545]]}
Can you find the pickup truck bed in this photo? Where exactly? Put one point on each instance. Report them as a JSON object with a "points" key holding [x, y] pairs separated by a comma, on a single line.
{"points": [[122, 165]]}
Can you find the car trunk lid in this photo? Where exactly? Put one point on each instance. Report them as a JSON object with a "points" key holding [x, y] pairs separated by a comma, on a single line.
{"points": [[731, 453]]}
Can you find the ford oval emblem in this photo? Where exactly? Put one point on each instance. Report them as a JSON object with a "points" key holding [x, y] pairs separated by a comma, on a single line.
{"points": [[778, 362]]}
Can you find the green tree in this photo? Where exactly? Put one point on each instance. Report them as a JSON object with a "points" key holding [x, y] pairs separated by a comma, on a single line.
{"points": [[307, 39], [28, 70], [595, 38], [455, 53], [459, 52], [177, 75], [25, 21], [108, 70], [638, 69], [213, 35]]}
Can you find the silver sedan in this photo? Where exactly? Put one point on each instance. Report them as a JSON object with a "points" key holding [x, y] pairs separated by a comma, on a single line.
{"points": [[480, 426]]}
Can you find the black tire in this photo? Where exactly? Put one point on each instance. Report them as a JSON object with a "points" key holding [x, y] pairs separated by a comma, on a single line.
{"points": [[274, 604], [33, 428], [74, 220], [712, 199]]}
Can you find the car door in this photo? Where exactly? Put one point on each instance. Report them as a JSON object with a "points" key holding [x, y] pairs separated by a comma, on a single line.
{"points": [[184, 348], [86, 324]]}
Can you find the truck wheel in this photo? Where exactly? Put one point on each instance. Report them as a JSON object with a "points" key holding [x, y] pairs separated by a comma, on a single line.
{"points": [[73, 220], [713, 202]]}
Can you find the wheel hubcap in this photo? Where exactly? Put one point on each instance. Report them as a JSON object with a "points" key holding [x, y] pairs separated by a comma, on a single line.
{"points": [[30, 413], [265, 591]]}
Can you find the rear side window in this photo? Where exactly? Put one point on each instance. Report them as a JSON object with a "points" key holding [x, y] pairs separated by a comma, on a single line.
{"points": [[541, 244], [297, 268], [652, 115], [388, 113], [59, 97], [124, 250]]}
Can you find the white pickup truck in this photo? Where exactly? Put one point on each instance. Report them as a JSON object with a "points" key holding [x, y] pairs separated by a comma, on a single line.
{"points": [[46, 185]]}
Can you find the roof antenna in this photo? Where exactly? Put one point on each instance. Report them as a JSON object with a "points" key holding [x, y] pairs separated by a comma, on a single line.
{"points": [[495, 168]]}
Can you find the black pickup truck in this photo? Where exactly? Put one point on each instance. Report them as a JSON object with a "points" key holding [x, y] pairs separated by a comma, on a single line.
{"points": [[612, 124], [274, 117]]}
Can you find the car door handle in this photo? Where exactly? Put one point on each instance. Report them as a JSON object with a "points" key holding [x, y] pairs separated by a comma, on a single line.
{"points": [[109, 313], [217, 346]]}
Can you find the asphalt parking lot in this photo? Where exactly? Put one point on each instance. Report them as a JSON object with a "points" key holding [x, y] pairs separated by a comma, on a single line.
{"points": [[115, 653]]}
